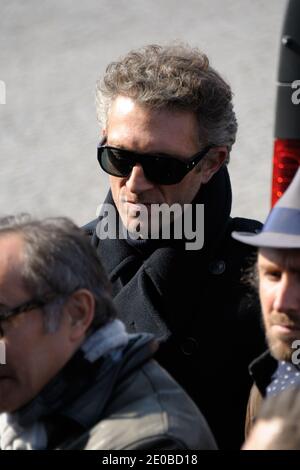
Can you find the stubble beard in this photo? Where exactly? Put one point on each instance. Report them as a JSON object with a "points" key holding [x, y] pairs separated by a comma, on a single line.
{"points": [[280, 349]]}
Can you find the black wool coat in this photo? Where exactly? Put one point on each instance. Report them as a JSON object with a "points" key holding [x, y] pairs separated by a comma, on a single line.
{"points": [[206, 318]]}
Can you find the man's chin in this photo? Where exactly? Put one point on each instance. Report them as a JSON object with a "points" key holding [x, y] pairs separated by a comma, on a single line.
{"points": [[281, 350]]}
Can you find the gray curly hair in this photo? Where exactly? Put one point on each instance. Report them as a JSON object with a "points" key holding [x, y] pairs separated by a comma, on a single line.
{"points": [[58, 259], [175, 77]]}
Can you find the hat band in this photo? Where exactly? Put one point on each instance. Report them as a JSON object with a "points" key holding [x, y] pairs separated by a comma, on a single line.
{"points": [[283, 220]]}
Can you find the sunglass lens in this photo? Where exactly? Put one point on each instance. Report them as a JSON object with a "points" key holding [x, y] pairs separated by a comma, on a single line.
{"points": [[162, 170], [114, 161]]}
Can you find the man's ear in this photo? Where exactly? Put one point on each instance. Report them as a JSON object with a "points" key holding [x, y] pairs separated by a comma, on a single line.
{"points": [[213, 162], [80, 311]]}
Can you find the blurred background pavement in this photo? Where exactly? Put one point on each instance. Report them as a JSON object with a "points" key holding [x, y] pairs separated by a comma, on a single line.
{"points": [[53, 51]]}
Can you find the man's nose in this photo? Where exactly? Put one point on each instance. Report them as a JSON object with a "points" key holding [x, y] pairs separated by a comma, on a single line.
{"points": [[287, 297], [137, 182]]}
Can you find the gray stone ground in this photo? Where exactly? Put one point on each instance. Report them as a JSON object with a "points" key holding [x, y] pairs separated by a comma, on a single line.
{"points": [[51, 53]]}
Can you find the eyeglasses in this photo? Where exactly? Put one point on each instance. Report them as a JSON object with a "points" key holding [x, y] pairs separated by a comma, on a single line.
{"points": [[159, 169], [32, 304]]}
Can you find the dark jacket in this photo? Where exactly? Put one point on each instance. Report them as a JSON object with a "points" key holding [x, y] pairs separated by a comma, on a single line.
{"points": [[194, 302], [140, 407], [261, 371]]}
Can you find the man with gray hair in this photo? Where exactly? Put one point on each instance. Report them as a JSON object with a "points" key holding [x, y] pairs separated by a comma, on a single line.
{"points": [[73, 378], [168, 126]]}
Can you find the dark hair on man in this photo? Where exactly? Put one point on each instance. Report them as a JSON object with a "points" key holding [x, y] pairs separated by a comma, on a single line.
{"points": [[174, 77], [250, 274], [58, 258]]}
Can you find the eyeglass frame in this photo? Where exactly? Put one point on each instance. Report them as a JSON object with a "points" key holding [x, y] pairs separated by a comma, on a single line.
{"points": [[27, 306]]}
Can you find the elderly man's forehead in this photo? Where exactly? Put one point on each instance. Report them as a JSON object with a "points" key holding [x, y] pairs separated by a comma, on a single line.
{"points": [[11, 259], [285, 258], [11, 246]]}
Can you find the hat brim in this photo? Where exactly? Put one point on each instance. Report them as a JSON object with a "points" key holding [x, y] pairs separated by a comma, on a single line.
{"points": [[268, 239]]}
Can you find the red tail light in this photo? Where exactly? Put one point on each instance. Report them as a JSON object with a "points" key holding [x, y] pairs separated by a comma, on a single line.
{"points": [[285, 164]]}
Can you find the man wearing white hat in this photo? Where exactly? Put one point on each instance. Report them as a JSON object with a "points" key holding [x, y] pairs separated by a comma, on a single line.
{"points": [[278, 273]]}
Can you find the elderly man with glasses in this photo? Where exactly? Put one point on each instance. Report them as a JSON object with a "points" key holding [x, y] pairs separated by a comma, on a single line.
{"points": [[73, 378], [168, 126]]}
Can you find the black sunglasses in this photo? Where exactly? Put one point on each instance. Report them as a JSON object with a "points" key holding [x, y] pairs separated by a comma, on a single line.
{"points": [[159, 169]]}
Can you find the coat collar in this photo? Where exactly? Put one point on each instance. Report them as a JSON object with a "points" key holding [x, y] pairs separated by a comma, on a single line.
{"points": [[262, 369]]}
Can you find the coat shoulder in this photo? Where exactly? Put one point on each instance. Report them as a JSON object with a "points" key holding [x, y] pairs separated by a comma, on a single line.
{"points": [[247, 225], [149, 410], [237, 252], [90, 227]]}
